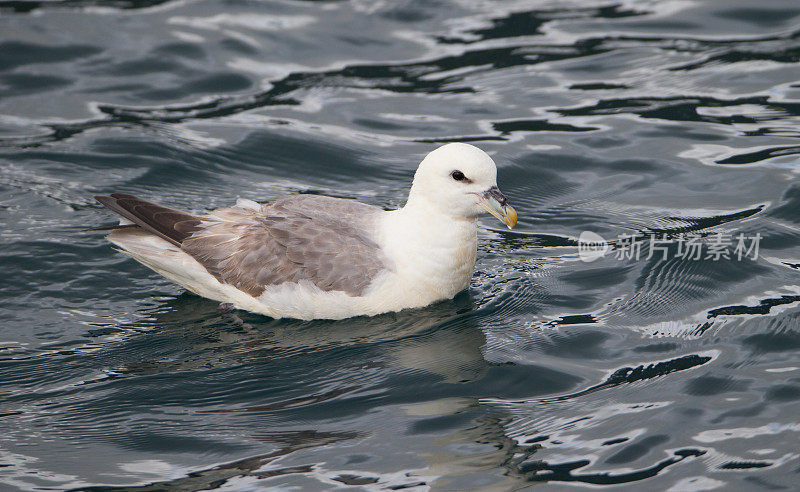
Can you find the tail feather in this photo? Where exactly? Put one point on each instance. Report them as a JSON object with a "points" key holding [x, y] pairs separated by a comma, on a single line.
{"points": [[168, 260], [172, 225]]}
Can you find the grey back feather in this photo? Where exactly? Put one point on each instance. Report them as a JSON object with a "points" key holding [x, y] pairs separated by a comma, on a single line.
{"points": [[327, 241]]}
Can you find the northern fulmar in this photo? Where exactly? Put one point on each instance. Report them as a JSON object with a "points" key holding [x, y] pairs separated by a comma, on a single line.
{"points": [[319, 257]]}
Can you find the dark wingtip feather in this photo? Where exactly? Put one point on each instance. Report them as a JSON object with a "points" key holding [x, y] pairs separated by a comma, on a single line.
{"points": [[125, 196], [109, 228], [161, 221]]}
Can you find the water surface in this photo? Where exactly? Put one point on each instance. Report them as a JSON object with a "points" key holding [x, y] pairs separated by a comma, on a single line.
{"points": [[620, 118]]}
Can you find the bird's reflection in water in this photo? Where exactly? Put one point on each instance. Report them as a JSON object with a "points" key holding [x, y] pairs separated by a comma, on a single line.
{"points": [[192, 334], [281, 379]]}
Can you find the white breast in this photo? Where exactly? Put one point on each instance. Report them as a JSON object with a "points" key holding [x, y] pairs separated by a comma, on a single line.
{"points": [[433, 258]]}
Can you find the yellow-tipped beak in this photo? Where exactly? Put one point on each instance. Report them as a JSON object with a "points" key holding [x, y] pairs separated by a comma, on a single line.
{"points": [[505, 213], [510, 217]]}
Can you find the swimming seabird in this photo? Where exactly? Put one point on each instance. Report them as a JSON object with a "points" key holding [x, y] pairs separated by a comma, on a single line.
{"points": [[312, 257]]}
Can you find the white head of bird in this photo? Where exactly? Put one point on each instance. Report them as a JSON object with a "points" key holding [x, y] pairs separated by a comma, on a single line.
{"points": [[460, 180]]}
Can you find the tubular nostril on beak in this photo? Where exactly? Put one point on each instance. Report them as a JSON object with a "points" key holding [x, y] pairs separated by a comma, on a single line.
{"points": [[496, 204], [495, 193]]}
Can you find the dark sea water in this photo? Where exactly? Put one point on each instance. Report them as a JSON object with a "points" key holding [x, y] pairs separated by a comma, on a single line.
{"points": [[627, 119]]}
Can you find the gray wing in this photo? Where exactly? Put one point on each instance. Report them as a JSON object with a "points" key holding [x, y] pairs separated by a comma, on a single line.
{"points": [[326, 241]]}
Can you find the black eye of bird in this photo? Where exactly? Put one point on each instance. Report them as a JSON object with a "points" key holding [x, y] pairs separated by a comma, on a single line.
{"points": [[458, 176]]}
